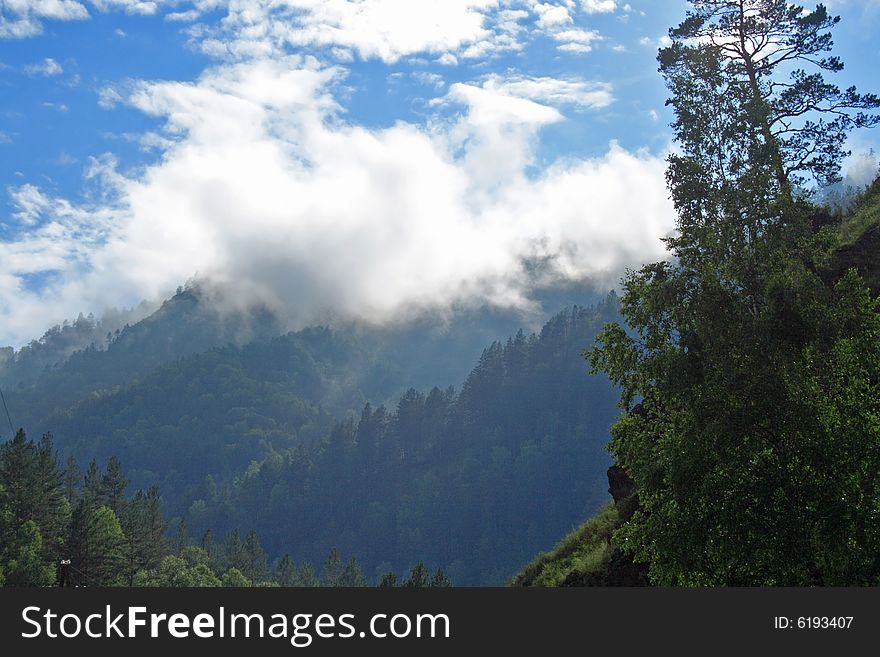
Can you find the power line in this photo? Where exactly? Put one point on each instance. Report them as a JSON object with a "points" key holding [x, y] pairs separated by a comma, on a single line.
{"points": [[6, 408]]}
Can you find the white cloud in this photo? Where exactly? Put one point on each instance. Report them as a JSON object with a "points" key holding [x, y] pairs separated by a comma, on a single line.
{"points": [[554, 91], [447, 59], [183, 16], [29, 203], [428, 79], [577, 40], [24, 18], [262, 187], [46, 68], [382, 29], [138, 7], [551, 16], [598, 6]]}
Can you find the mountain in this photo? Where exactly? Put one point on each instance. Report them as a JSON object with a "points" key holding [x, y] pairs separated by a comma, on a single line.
{"points": [[350, 437], [476, 481]]}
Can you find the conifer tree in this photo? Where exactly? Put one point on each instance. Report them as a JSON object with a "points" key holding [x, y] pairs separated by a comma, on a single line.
{"points": [[253, 558], [113, 485], [418, 577], [741, 362], [352, 576], [307, 577], [144, 527], [332, 574], [285, 571]]}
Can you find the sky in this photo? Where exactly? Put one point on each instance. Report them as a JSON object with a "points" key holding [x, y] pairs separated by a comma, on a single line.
{"points": [[375, 158]]}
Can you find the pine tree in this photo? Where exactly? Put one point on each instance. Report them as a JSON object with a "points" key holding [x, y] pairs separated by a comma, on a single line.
{"points": [[285, 571], [181, 537], [352, 576], [18, 477], [113, 485], [52, 507], [30, 491], [307, 578], [96, 546], [207, 544], [418, 577], [253, 558], [72, 479], [332, 574], [388, 581], [742, 359], [440, 580], [91, 489], [233, 553], [144, 527]]}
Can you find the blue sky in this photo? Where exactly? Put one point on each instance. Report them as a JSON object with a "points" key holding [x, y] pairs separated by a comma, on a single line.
{"points": [[377, 158]]}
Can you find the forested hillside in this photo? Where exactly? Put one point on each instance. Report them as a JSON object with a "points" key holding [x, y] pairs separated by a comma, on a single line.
{"points": [[477, 480], [62, 527], [312, 438]]}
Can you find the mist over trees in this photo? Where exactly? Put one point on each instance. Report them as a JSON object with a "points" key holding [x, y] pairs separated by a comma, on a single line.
{"points": [[238, 438]]}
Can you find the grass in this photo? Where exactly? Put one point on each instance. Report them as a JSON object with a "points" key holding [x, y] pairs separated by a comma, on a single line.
{"points": [[583, 552], [865, 217]]}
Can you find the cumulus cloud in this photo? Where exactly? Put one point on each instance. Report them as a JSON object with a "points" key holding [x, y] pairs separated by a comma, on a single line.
{"points": [[550, 16], [138, 7], [584, 94], [577, 40], [382, 29], [263, 188], [24, 18], [46, 68], [599, 6], [29, 203]]}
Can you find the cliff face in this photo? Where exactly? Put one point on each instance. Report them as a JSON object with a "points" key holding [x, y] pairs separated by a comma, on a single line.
{"points": [[860, 241], [588, 556], [862, 255]]}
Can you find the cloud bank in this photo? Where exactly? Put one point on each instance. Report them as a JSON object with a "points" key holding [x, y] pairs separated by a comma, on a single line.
{"points": [[264, 188]]}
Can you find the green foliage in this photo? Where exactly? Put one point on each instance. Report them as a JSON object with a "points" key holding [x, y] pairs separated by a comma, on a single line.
{"points": [[440, 580], [233, 578], [418, 577], [175, 571], [352, 576], [307, 576], [34, 512], [754, 448], [583, 554], [144, 526], [253, 558], [864, 217], [332, 573], [505, 465], [285, 572], [113, 485], [388, 580], [23, 557]]}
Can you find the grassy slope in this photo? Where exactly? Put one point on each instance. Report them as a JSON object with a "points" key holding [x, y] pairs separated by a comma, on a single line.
{"points": [[582, 555], [859, 244]]}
